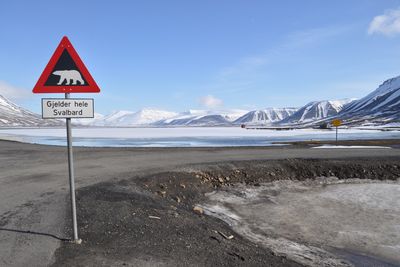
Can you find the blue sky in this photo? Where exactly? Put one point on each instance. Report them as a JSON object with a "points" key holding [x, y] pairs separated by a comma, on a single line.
{"points": [[179, 55]]}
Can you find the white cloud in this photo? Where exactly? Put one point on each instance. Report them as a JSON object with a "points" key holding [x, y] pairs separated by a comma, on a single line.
{"points": [[210, 101], [12, 92], [315, 36], [387, 24]]}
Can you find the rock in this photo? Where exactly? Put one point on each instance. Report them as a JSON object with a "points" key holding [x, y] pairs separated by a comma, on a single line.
{"points": [[162, 193], [198, 210], [220, 179], [224, 235]]}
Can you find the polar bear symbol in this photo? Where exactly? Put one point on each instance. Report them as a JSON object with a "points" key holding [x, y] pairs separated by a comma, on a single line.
{"points": [[68, 75]]}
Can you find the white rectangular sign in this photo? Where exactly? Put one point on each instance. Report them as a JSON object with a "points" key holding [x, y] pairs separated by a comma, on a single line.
{"points": [[58, 108]]}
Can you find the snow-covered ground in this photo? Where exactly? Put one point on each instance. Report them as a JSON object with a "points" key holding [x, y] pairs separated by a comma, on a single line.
{"points": [[185, 136], [186, 132], [317, 222], [333, 146]]}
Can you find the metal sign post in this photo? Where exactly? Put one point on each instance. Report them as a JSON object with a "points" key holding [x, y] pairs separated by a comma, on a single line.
{"points": [[65, 73], [58, 108], [72, 178], [336, 123], [336, 135]]}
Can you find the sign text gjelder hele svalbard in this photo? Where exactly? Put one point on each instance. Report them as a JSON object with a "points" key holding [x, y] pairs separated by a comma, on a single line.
{"points": [[53, 108]]}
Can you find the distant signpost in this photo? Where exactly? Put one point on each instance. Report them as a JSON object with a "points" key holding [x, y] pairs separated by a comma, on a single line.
{"points": [[65, 73], [336, 123]]}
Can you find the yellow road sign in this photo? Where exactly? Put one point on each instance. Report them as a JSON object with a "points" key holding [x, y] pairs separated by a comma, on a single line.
{"points": [[336, 122]]}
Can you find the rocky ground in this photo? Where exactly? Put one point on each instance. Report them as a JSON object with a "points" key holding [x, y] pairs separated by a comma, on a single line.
{"points": [[154, 220]]}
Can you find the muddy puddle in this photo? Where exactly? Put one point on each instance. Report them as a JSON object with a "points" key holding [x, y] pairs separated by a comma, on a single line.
{"points": [[318, 222]]}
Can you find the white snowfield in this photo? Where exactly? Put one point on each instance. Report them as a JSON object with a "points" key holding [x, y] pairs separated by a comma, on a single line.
{"points": [[305, 220], [184, 136], [186, 132], [333, 146]]}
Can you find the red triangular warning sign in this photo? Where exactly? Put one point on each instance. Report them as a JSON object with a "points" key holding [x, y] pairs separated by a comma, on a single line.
{"points": [[65, 73]]}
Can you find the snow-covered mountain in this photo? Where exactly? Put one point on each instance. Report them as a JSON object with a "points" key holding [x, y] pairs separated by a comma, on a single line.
{"points": [[265, 116], [12, 115], [130, 118], [207, 120], [381, 106], [89, 121], [203, 118], [316, 110], [232, 114]]}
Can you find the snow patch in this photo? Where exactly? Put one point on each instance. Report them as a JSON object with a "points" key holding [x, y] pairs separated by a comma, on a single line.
{"points": [[288, 216], [333, 146]]}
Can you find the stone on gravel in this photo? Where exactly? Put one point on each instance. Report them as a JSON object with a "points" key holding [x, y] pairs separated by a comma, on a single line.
{"points": [[198, 210]]}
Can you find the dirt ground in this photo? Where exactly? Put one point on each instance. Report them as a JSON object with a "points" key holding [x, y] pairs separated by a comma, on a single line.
{"points": [[150, 220], [118, 189]]}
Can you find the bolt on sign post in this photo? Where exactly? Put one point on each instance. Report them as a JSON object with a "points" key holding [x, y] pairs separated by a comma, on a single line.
{"points": [[65, 73], [336, 123]]}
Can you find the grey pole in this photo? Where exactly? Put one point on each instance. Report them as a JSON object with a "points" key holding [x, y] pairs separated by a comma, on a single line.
{"points": [[72, 179], [336, 135]]}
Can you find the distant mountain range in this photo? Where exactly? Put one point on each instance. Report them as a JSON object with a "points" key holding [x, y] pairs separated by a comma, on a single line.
{"points": [[266, 116], [162, 118], [203, 118], [12, 115], [129, 118], [316, 111], [382, 106]]}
